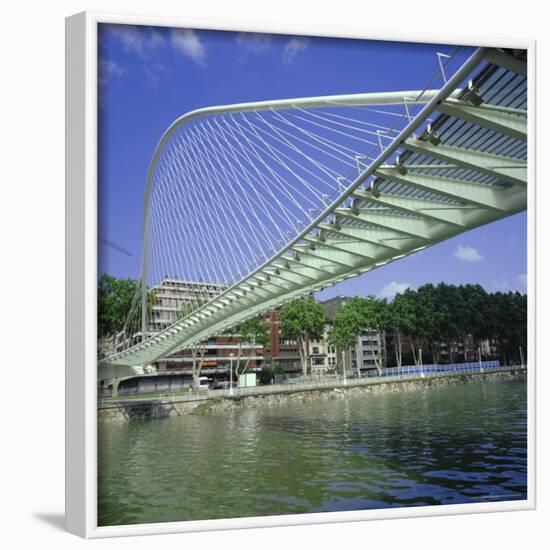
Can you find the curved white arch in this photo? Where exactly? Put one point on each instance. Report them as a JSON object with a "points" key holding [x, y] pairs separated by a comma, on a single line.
{"points": [[479, 204], [365, 99]]}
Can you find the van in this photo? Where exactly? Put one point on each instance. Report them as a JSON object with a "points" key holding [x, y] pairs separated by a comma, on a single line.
{"points": [[204, 383]]}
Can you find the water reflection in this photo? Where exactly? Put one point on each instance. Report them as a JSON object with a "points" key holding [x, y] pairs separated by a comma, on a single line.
{"points": [[437, 446]]}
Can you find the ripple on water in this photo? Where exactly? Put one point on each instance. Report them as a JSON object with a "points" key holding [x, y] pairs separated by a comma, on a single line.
{"points": [[443, 446]]}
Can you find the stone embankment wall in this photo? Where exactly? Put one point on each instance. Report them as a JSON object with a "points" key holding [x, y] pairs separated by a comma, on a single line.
{"points": [[140, 409]]}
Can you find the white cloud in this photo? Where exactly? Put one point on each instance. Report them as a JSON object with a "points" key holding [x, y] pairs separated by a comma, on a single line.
{"points": [[468, 254], [153, 73], [523, 279], [139, 41], [391, 289], [187, 42], [143, 42], [293, 47], [254, 42], [109, 69]]}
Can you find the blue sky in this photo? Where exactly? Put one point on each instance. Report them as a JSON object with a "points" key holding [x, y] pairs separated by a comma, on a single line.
{"points": [[150, 76]]}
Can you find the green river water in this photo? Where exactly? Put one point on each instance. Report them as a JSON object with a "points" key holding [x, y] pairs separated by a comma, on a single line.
{"points": [[447, 445]]}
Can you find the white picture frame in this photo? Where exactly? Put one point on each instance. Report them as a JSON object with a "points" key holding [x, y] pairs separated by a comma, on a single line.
{"points": [[81, 272]]}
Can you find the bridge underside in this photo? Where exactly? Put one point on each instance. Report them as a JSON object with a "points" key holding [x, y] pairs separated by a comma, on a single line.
{"points": [[466, 168]]}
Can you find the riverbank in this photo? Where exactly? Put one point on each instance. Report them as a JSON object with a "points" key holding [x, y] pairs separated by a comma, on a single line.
{"points": [[125, 409]]}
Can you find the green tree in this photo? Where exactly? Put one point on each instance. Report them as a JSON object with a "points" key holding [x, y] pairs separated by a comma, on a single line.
{"points": [[267, 374], [401, 319], [376, 316], [434, 314], [518, 320], [508, 323], [253, 332], [302, 319], [473, 320], [443, 317], [424, 323], [114, 300], [346, 326], [198, 352], [356, 315]]}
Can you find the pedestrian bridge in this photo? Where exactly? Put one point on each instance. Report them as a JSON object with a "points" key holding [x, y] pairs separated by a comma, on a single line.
{"points": [[274, 200]]}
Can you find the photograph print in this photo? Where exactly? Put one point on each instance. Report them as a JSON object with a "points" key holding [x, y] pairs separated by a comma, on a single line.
{"points": [[312, 275]]}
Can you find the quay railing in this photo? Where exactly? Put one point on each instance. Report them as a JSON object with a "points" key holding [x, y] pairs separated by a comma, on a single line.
{"points": [[387, 375], [412, 370]]}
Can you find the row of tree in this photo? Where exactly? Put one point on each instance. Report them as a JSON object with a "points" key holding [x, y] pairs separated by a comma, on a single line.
{"points": [[430, 315], [417, 319]]}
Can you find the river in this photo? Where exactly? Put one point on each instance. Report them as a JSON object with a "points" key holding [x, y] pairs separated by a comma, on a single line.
{"points": [[446, 445]]}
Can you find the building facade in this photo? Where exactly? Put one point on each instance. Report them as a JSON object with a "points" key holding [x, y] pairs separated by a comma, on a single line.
{"points": [[172, 299], [216, 356], [368, 354], [279, 350]]}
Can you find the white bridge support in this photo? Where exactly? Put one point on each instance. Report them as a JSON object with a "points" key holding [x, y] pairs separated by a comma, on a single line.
{"points": [[428, 183], [508, 169]]}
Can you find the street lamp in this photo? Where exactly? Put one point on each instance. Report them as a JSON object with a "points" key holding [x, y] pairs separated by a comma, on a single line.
{"points": [[230, 374], [479, 357], [344, 367], [521, 357]]}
